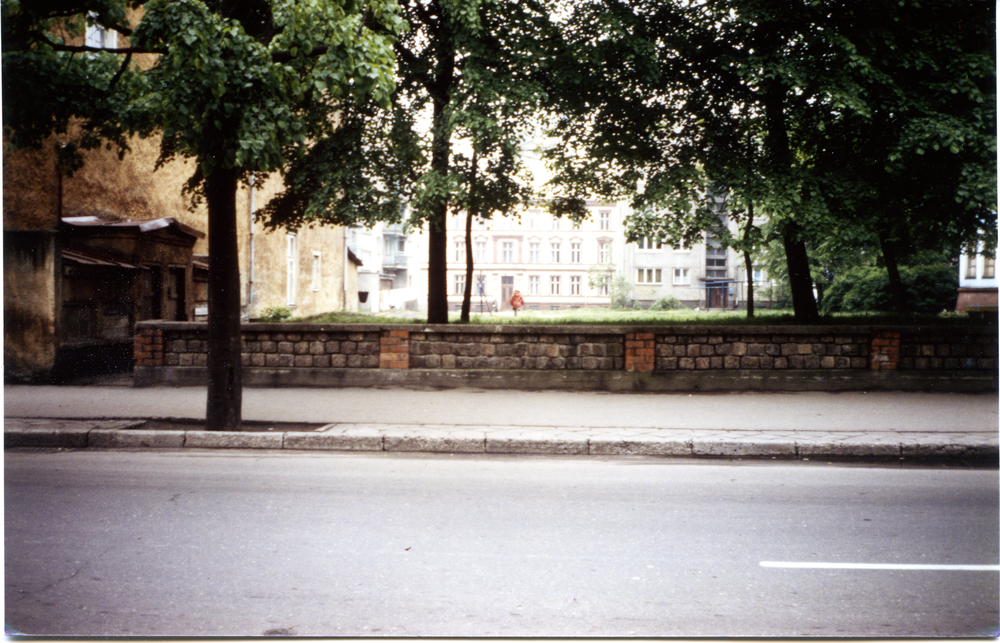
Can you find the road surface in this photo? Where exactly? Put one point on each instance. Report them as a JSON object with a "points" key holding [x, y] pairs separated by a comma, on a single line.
{"points": [[210, 543]]}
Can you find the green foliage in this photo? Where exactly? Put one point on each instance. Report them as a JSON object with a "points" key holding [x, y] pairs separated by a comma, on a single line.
{"points": [[621, 293], [276, 314], [667, 302], [932, 287]]}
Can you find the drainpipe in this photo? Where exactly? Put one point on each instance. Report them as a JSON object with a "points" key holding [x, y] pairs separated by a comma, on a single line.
{"points": [[347, 232]]}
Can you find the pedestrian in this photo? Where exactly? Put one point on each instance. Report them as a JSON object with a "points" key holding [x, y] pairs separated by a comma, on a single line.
{"points": [[516, 301]]}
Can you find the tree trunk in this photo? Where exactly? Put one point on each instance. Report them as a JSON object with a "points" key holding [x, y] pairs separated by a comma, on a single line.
{"points": [[897, 289], [779, 156], [748, 261], [469, 269], [225, 391], [799, 278]]}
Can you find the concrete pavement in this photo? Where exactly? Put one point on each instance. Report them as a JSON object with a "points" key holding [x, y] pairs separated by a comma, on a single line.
{"points": [[859, 426]]}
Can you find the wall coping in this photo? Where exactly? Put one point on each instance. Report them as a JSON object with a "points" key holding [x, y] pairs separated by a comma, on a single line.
{"points": [[615, 329]]}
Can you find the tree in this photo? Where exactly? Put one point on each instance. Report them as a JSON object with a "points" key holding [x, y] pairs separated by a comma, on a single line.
{"points": [[757, 100], [451, 141], [233, 85]]}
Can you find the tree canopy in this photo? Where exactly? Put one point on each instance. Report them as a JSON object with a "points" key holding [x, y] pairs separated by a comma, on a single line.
{"points": [[828, 118], [236, 86]]}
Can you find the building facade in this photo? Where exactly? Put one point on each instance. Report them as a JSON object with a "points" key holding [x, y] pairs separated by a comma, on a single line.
{"points": [[550, 260], [977, 282]]}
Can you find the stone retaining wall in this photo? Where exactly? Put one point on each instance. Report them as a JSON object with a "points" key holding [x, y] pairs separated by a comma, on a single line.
{"points": [[164, 348]]}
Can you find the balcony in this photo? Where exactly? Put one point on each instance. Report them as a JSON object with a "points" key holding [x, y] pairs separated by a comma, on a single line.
{"points": [[395, 260]]}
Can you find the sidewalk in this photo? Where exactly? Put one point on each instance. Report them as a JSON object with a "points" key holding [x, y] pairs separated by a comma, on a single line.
{"points": [[855, 426]]}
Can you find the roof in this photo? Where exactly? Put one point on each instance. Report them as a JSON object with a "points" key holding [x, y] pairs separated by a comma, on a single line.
{"points": [[144, 225], [90, 257]]}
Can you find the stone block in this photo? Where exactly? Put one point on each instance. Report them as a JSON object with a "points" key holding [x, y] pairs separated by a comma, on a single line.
{"points": [[338, 361], [303, 361], [233, 440], [321, 361], [286, 347], [135, 439], [366, 441]]}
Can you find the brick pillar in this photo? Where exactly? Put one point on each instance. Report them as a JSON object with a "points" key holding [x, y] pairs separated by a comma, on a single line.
{"points": [[884, 351], [394, 349], [147, 347], [640, 351]]}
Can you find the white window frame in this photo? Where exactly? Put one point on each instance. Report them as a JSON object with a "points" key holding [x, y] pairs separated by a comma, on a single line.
{"points": [[534, 252], [459, 282], [480, 251], [682, 277], [555, 251], [575, 252], [649, 276], [603, 252], [534, 284], [575, 285], [101, 37], [555, 285], [605, 219], [507, 252]]}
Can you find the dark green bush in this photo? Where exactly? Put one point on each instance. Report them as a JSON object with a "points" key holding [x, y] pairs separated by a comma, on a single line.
{"points": [[667, 302], [931, 288]]}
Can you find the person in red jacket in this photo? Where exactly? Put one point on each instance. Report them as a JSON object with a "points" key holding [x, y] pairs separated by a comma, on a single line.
{"points": [[516, 301]]}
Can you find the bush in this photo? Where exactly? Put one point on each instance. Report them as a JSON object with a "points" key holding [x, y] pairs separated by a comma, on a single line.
{"points": [[276, 314], [667, 302], [931, 288]]}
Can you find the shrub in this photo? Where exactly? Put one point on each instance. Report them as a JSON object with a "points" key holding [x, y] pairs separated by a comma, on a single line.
{"points": [[276, 314], [667, 302], [931, 288]]}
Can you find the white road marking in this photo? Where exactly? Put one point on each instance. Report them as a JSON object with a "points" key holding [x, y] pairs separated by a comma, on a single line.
{"points": [[324, 428], [963, 568]]}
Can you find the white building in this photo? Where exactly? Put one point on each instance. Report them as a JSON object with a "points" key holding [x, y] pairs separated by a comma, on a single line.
{"points": [[705, 275], [384, 278], [977, 282], [548, 259]]}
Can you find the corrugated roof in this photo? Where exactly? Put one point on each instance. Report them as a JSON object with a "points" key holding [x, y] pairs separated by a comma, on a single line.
{"points": [[89, 257], [144, 225]]}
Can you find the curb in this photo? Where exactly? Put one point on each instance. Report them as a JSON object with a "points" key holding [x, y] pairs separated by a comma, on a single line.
{"points": [[128, 435]]}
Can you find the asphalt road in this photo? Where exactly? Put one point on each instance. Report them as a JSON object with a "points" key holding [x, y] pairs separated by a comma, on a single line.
{"points": [[208, 543]]}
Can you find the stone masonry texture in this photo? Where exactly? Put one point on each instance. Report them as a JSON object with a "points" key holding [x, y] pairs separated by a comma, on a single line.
{"points": [[583, 348]]}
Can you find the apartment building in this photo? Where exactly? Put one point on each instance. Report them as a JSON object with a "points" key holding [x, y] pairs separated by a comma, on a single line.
{"points": [[548, 259]]}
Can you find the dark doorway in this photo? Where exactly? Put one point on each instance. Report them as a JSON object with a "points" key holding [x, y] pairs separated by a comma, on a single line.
{"points": [[716, 295]]}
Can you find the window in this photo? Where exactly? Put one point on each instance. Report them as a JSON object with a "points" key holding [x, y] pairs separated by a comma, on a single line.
{"points": [[682, 247], [533, 285], [554, 284], [645, 243], [460, 283], [480, 251], [507, 249], [603, 252], [554, 252], [533, 253], [317, 271], [758, 276], [989, 267], [681, 277], [101, 38], [574, 285], [460, 251], [292, 255], [574, 253], [605, 289], [605, 219], [533, 219], [649, 276], [971, 265], [556, 221]]}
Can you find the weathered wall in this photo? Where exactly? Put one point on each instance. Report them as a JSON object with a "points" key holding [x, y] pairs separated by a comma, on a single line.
{"points": [[32, 302], [791, 358]]}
